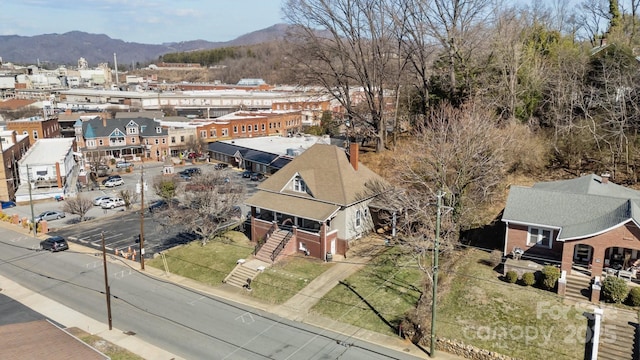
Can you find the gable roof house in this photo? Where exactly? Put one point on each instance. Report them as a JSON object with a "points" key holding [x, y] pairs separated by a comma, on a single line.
{"points": [[587, 222], [315, 204], [131, 139]]}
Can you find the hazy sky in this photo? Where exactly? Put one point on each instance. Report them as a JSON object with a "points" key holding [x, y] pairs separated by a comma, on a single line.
{"points": [[143, 21]]}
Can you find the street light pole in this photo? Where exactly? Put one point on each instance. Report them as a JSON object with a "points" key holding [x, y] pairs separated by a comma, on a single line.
{"points": [[436, 250]]}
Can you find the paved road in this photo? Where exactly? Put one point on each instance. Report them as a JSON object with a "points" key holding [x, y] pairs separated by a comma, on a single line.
{"points": [[185, 322]]}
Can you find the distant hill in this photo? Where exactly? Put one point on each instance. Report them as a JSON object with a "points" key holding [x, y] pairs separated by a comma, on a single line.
{"points": [[67, 48]]}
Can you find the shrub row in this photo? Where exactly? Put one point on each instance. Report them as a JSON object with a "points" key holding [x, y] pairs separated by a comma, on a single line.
{"points": [[547, 280]]}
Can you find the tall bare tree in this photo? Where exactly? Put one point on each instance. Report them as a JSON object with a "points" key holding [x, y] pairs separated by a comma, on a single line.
{"points": [[78, 205], [349, 48], [206, 205]]}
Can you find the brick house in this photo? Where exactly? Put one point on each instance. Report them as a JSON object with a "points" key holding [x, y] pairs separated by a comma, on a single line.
{"points": [[315, 205], [36, 127], [13, 146], [587, 222], [132, 139]]}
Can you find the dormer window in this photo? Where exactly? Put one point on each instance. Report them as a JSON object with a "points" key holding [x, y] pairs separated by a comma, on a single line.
{"points": [[158, 130], [299, 185]]}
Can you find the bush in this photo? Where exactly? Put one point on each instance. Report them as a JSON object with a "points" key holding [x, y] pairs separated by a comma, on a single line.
{"points": [[528, 279], [614, 289], [550, 276], [511, 277], [633, 298]]}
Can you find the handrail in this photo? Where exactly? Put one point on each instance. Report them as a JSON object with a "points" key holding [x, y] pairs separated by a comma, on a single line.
{"points": [[281, 246], [263, 240]]}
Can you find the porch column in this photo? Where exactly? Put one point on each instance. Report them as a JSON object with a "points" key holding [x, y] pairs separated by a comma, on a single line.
{"points": [[597, 264], [567, 257]]}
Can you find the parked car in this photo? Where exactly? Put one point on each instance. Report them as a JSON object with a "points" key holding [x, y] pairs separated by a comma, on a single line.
{"points": [[247, 174], [100, 199], [162, 204], [191, 171], [50, 215], [54, 243], [193, 155], [257, 177], [112, 203], [123, 164], [113, 182], [7, 204], [220, 166]]}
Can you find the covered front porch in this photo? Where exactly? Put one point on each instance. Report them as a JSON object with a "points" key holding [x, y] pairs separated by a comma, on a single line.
{"points": [[307, 237], [614, 253]]}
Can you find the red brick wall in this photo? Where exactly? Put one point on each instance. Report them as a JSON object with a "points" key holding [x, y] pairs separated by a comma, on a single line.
{"points": [[312, 242], [517, 237]]}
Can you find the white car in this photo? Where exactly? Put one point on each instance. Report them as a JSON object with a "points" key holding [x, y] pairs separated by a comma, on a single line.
{"points": [[100, 199], [114, 182], [112, 203]]}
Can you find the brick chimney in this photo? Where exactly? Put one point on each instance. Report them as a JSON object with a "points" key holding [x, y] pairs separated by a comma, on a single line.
{"points": [[14, 137], [605, 178], [353, 155]]}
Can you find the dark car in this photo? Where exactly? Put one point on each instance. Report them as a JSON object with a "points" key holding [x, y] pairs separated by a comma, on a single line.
{"points": [[247, 174], [7, 204], [190, 172], [162, 204], [257, 177], [54, 243], [220, 166], [194, 155]]}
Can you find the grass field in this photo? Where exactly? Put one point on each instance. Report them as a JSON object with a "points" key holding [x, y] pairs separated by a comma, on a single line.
{"points": [[208, 264], [522, 322], [376, 297], [286, 278]]}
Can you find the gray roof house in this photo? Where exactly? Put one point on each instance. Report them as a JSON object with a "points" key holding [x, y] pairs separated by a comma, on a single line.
{"points": [[586, 222], [320, 198]]}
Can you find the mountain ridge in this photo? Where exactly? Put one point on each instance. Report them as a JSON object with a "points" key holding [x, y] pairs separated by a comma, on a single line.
{"points": [[67, 48]]}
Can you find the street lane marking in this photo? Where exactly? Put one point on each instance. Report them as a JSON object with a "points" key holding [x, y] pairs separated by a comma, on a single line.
{"points": [[246, 318], [196, 300]]}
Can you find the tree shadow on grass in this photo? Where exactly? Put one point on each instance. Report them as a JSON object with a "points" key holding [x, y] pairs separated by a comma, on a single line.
{"points": [[393, 327]]}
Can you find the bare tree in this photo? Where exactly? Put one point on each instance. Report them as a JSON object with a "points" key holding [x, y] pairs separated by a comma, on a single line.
{"points": [[129, 197], [206, 205], [79, 205], [459, 151], [349, 48]]}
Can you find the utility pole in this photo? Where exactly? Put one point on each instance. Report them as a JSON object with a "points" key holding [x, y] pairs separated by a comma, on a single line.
{"points": [[142, 217], [33, 216], [436, 250], [107, 289]]}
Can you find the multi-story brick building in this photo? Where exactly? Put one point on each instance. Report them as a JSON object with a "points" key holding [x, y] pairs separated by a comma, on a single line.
{"points": [[36, 127], [13, 147], [132, 139]]}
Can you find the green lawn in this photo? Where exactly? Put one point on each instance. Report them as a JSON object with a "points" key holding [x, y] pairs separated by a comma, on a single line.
{"points": [[210, 263], [377, 297], [286, 278], [522, 322]]}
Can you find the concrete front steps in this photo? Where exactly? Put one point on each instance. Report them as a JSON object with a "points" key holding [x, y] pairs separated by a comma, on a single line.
{"points": [[618, 335], [578, 288], [264, 254], [245, 270]]}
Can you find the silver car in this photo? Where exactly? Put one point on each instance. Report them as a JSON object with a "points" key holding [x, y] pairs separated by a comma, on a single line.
{"points": [[50, 215], [100, 199]]}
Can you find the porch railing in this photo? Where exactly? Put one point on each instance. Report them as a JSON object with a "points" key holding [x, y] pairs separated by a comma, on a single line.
{"points": [[281, 246], [264, 239]]}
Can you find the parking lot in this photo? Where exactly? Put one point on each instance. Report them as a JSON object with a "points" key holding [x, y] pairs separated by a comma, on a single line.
{"points": [[121, 227]]}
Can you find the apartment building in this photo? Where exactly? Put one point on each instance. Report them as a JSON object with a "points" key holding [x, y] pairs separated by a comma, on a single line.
{"points": [[37, 127]]}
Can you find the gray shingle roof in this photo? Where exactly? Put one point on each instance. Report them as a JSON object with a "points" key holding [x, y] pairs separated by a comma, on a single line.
{"points": [[94, 128], [579, 207]]}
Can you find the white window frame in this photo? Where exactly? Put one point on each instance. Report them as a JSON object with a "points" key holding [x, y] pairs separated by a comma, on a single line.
{"points": [[299, 185], [133, 140], [536, 237], [358, 219], [35, 134]]}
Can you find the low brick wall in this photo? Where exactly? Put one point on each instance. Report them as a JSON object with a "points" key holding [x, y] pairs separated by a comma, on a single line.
{"points": [[468, 351]]}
